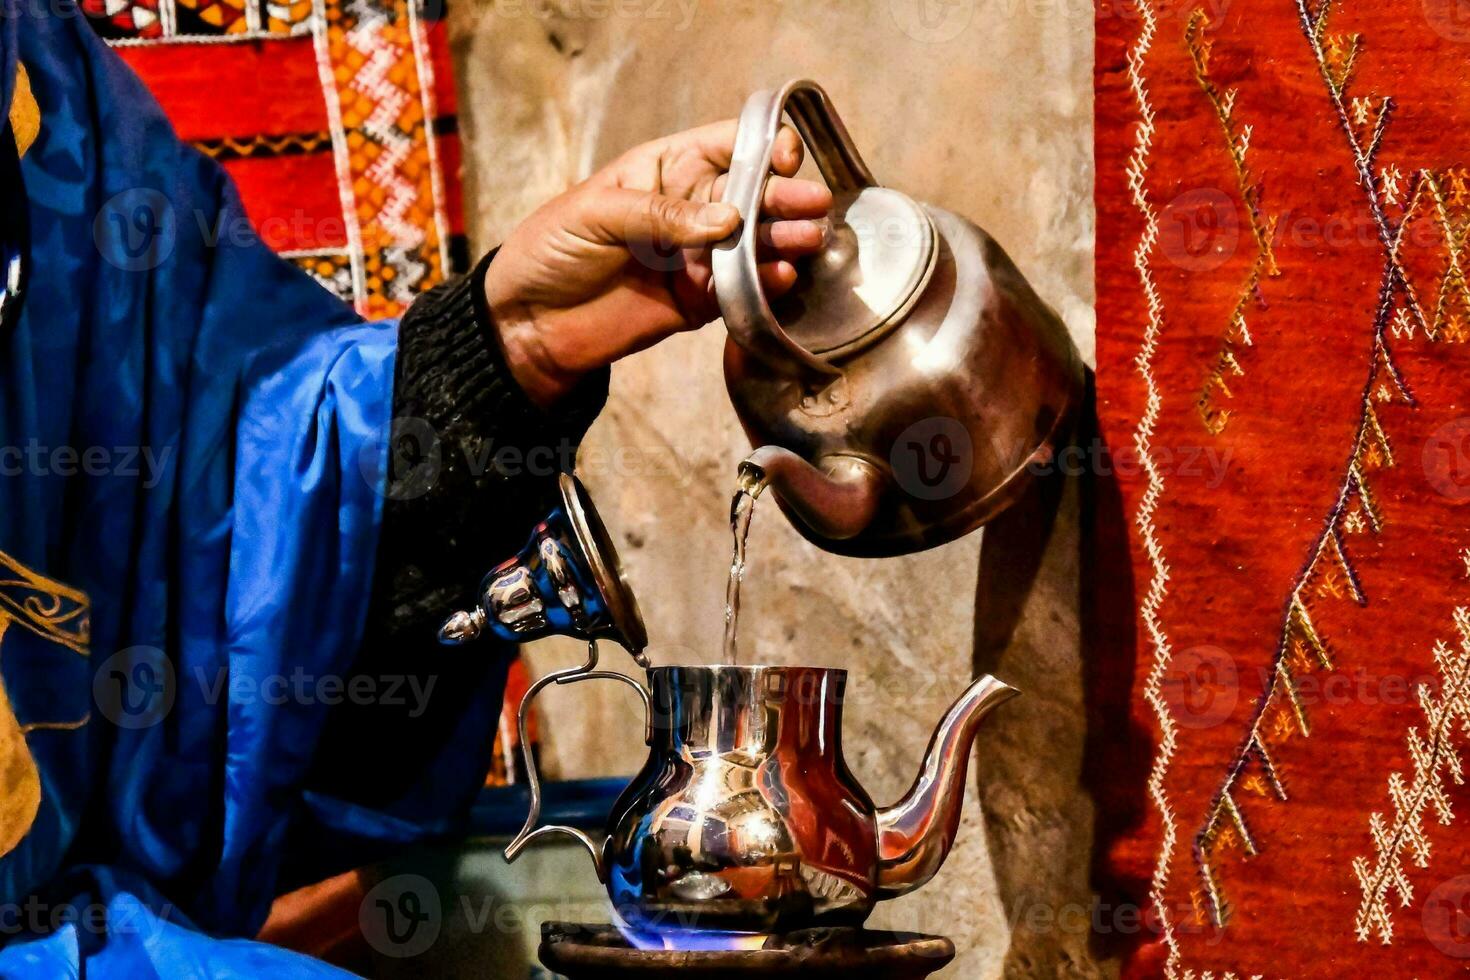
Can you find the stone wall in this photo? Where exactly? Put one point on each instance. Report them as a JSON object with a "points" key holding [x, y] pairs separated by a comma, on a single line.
{"points": [[980, 106]]}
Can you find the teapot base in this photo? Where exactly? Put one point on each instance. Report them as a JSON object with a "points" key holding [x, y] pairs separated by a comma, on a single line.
{"points": [[601, 951]]}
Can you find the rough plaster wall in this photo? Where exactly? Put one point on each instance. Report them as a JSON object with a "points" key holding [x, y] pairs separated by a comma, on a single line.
{"points": [[980, 106]]}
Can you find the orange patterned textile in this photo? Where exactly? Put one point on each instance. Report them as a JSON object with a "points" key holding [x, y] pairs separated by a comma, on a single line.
{"points": [[1282, 660], [336, 118]]}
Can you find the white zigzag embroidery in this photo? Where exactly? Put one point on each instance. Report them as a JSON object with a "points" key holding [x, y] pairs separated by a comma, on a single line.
{"points": [[1433, 758], [1142, 435]]}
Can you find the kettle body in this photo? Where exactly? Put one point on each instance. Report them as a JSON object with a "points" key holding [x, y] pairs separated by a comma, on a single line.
{"points": [[910, 385]]}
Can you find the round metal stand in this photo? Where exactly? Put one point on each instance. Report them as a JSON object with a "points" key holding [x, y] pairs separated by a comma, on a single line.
{"points": [[599, 952]]}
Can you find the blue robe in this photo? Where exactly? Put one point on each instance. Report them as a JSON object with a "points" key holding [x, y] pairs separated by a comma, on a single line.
{"points": [[221, 533]]}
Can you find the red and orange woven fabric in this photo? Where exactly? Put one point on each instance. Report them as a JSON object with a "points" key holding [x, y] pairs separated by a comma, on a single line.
{"points": [[336, 118], [1283, 200]]}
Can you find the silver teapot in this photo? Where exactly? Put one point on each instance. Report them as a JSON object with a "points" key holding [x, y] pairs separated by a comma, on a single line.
{"points": [[745, 821], [908, 387]]}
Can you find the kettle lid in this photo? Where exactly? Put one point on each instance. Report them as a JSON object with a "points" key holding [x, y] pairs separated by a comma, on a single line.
{"points": [[880, 251], [878, 257]]}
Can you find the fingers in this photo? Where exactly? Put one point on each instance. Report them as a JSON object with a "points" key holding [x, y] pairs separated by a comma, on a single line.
{"points": [[777, 277], [716, 144], [782, 242], [692, 164], [696, 291], [787, 197], [616, 216], [787, 154], [793, 238]]}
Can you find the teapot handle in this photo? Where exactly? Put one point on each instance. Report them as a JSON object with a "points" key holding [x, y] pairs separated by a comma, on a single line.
{"points": [[743, 305], [570, 675]]}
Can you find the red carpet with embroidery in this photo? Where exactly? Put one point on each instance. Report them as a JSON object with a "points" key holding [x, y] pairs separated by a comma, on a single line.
{"points": [[335, 117], [1283, 674]]}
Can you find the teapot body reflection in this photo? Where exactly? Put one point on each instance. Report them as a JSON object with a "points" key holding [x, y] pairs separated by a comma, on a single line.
{"points": [[745, 820]]}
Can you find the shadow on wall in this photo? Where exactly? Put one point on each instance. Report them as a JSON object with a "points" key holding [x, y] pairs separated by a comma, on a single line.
{"points": [[1049, 837]]}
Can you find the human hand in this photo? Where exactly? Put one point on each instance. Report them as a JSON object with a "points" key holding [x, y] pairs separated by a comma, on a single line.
{"points": [[622, 260]]}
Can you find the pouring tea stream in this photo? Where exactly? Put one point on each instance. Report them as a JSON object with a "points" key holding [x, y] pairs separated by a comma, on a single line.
{"points": [[748, 488]]}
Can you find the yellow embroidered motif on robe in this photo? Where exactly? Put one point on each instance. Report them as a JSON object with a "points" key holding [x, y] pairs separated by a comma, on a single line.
{"points": [[59, 613], [25, 115]]}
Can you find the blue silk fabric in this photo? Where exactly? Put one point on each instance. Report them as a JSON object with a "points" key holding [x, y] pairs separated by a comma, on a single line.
{"points": [[155, 323]]}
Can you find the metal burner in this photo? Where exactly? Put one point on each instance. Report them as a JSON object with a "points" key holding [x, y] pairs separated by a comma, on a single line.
{"points": [[599, 952]]}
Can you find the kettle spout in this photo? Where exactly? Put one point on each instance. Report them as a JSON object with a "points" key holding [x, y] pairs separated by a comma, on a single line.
{"points": [[915, 835], [836, 498]]}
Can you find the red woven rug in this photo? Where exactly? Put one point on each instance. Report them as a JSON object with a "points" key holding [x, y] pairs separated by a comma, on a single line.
{"points": [[1283, 664], [335, 117]]}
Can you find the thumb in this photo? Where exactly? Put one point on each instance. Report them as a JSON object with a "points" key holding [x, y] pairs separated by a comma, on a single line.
{"points": [[619, 216]]}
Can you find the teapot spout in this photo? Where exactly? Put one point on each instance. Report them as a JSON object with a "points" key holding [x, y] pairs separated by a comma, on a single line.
{"points": [[915, 835], [835, 499]]}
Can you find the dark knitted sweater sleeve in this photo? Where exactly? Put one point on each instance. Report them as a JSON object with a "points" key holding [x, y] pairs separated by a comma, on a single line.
{"points": [[472, 460], [472, 469]]}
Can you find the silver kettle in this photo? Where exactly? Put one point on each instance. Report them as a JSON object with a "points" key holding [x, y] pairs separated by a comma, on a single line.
{"points": [[910, 385]]}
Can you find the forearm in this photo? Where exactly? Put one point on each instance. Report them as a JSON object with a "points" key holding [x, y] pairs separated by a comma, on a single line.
{"points": [[472, 461], [472, 468]]}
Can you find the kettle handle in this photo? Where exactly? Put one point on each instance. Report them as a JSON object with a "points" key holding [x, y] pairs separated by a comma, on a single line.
{"points": [[530, 832], [743, 304]]}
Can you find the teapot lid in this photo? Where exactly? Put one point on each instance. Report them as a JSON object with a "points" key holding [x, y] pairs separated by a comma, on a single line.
{"points": [[879, 254]]}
